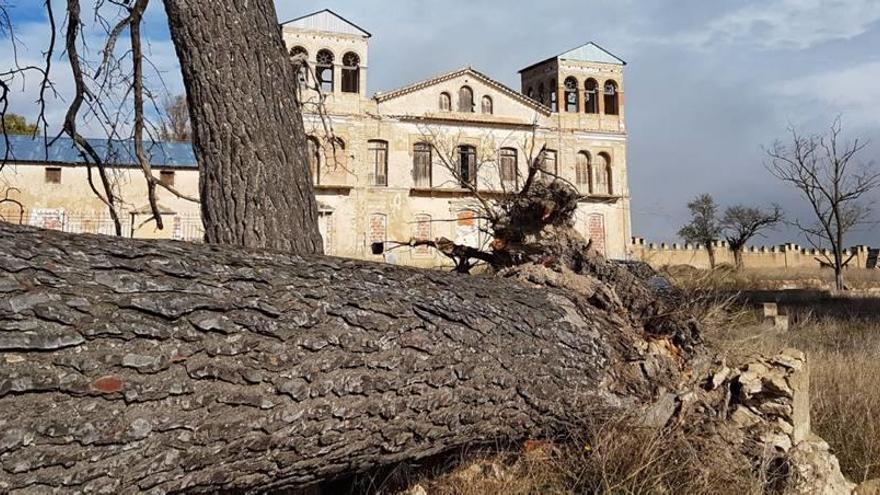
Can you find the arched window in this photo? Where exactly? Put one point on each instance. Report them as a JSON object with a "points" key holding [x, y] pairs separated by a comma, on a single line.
{"points": [[314, 150], [378, 153], [542, 94], [467, 166], [445, 102], [571, 95], [487, 105], [422, 164], [465, 99], [582, 172], [554, 95], [300, 58], [611, 98], [603, 183], [507, 166], [324, 70], [530, 92], [351, 73], [591, 98], [299, 51]]}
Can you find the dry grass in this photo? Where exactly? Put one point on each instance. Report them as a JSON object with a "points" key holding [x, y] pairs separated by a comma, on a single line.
{"points": [[726, 278], [609, 457], [843, 354]]}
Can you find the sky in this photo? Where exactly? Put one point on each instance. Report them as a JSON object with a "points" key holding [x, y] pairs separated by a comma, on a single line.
{"points": [[709, 84]]}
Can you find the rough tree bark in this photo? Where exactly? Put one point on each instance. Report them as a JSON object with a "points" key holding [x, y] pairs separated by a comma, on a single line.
{"points": [[129, 365], [255, 184]]}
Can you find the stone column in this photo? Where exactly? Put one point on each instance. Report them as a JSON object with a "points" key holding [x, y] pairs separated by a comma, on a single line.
{"points": [[582, 98], [362, 81], [620, 125]]}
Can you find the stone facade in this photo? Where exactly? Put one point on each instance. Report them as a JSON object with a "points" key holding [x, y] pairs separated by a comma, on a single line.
{"points": [[384, 166], [374, 199], [55, 193]]}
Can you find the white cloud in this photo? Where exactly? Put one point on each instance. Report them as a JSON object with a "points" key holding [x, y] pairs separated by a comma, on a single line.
{"points": [[853, 92], [795, 24]]}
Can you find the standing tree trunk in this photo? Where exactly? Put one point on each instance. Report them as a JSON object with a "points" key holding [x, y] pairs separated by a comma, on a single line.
{"points": [[838, 244], [131, 366], [254, 179], [738, 257], [710, 250], [839, 283]]}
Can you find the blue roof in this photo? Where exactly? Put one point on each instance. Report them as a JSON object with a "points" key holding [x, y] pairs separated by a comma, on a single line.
{"points": [[112, 152]]}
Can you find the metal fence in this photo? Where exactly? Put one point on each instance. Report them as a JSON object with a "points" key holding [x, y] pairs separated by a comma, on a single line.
{"points": [[183, 227]]}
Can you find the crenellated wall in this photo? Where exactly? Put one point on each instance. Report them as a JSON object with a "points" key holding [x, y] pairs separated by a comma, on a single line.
{"points": [[781, 256]]}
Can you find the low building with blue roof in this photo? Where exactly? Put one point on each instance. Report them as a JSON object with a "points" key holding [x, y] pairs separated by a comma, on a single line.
{"points": [[45, 182]]}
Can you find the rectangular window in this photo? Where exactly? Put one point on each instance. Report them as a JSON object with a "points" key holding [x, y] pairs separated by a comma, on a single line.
{"points": [[508, 166], [422, 165], [166, 177], [53, 175], [379, 154], [467, 166]]}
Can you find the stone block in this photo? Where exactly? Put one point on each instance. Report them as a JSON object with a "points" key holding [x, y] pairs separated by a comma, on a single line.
{"points": [[799, 382], [771, 309], [791, 359], [778, 322]]}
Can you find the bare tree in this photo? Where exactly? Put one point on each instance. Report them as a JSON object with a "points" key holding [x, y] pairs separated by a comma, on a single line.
{"points": [[704, 228], [742, 223], [175, 124], [826, 170]]}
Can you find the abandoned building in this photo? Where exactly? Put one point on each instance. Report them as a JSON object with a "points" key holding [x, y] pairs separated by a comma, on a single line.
{"points": [[393, 166]]}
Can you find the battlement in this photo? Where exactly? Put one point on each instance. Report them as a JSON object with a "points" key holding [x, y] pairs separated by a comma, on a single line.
{"points": [[788, 255]]}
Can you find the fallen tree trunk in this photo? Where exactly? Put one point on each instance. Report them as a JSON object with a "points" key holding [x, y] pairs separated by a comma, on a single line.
{"points": [[129, 366]]}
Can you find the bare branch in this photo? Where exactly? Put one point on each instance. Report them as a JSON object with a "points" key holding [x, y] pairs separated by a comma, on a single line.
{"points": [[89, 154], [135, 17]]}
